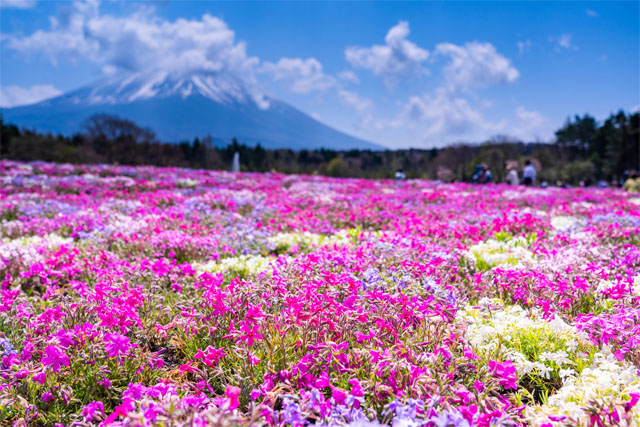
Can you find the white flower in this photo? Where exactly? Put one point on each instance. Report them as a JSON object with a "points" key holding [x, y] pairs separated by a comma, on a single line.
{"points": [[30, 249], [497, 253], [241, 265], [565, 223], [605, 380], [512, 328], [285, 241], [566, 373]]}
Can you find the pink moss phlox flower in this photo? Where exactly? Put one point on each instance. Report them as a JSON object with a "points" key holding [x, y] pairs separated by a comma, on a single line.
{"points": [[105, 383], [211, 355], [250, 333], [40, 377], [356, 388], [505, 372], [92, 409], [55, 357], [116, 344], [232, 393], [120, 411]]}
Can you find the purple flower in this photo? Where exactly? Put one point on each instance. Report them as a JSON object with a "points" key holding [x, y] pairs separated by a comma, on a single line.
{"points": [[447, 419], [116, 344], [47, 397], [55, 357], [292, 414], [506, 373], [90, 410], [105, 383], [40, 377]]}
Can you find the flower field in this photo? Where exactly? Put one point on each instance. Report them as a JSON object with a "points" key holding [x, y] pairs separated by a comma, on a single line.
{"points": [[161, 296]]}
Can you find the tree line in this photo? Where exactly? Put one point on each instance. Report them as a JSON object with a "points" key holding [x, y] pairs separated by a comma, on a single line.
{"points": [[583, 150]]}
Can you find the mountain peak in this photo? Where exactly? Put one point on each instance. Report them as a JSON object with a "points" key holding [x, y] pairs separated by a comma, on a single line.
{"points": [[183, 106], [120, 89]]}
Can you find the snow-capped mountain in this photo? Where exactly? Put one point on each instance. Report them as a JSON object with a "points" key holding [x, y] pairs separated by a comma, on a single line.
{"points": [[183, 107]]}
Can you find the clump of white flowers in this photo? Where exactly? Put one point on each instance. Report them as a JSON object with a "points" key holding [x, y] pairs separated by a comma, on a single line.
{"points": [[502, 251], [29, 249], [564, 224], [536, 346], [295, 242], [186, 183], [606, 381], [243, 265]]}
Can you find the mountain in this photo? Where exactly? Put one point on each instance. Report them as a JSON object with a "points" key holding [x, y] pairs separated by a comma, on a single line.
{"points": [[185, 107]]}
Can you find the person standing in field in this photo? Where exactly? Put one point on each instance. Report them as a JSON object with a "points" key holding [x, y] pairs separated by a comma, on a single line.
{"points": [[512, 175], [528, 173], [632, 184]]}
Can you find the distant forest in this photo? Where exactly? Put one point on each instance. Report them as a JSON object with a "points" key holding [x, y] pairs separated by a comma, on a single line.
{"points": [[584, 150]]}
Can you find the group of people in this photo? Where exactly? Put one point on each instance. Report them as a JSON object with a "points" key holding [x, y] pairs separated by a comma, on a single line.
{"points": [[483, 174], [529, 173]]}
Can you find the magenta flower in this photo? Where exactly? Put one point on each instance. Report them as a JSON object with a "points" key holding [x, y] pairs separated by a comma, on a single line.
{"points": [[116, 344], [210, 355], [89, 412], [105, 383], [40, 377], [55, 358], [232, 394], [46, 397], [505, 372], [251, 334]]}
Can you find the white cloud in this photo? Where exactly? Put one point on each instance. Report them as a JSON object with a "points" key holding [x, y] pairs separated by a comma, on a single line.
{"points": [[397, 57], [524, 47], [17, 4], [441, 117], [531, 125], [14, 96], [564, 41], [362, 106], [305, 75], [591, 13], [142, 43], [349, 76], [475, 65], [138, 42]]}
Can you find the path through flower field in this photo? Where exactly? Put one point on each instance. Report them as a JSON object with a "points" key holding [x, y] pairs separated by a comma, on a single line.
{"points": [[154, 296]]}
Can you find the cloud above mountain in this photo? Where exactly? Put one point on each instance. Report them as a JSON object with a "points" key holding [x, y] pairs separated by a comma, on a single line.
{"points": [[139, 41], [14, 96], [398, 57], [432, 92], [303, 75], [475, 65]]}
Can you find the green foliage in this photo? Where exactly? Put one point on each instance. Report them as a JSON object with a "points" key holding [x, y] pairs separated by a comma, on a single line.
{"points": [[336, 167]]}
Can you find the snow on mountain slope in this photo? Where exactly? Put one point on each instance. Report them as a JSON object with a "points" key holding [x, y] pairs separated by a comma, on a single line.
{"points": [[184, 107]]}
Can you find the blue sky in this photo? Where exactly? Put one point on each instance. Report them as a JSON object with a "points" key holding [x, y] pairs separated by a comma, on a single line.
{"points": [[414, 74]]}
